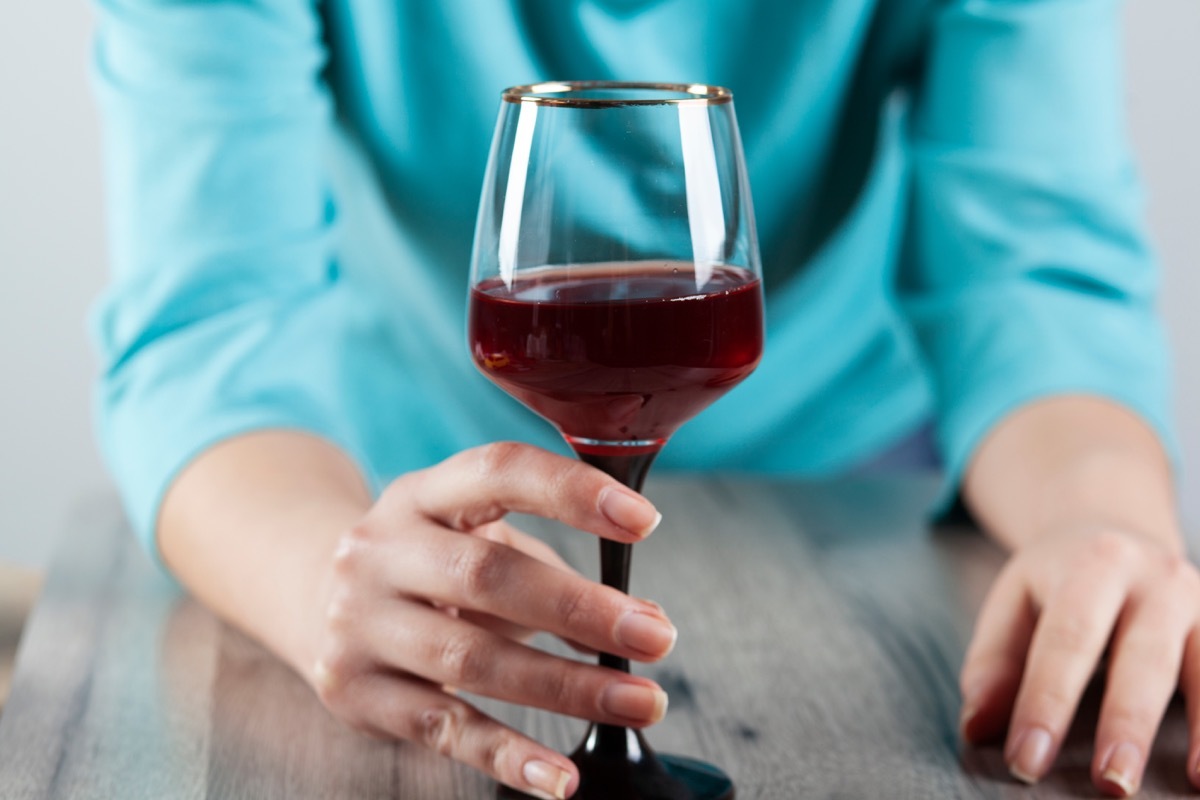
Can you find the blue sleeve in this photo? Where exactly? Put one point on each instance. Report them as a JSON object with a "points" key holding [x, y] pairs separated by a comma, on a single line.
{"points": [[1027, 271], [225, 311]]}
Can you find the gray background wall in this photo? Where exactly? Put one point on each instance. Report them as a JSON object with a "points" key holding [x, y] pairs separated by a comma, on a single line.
{"points": [[52, 247]]}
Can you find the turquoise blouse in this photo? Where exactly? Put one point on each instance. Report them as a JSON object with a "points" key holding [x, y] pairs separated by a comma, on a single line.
{"points": [[951, 225]]}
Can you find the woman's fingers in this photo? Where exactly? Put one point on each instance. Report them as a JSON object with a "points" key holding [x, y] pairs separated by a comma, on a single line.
{"points": [[417, 639], [1068, 641], [501, 532], [518, 633], [1044, 626], [498, 625], [481, 576], [397, 706], [481, 485], [1143, 670], [994, 660], [414, 607]]}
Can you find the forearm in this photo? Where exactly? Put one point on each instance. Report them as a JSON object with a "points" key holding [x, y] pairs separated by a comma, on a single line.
{"points": [[1071, 461], [251, 524]]}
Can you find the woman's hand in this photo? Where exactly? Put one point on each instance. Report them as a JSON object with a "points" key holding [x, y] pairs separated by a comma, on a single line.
{"points": [[431, 591], [1061, 599]]}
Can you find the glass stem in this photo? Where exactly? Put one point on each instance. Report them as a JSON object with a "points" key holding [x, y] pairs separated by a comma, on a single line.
{"points": [[615, 561]]}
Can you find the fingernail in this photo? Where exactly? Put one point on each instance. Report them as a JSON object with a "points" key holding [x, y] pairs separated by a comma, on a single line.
{"points": [[1123, 768], [546, 780], [651, 636], [634, 701], [1032, 757], [627, 509]]}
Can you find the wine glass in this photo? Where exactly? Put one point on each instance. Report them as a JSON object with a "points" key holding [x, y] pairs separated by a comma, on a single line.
{"points": [[615, 290]]}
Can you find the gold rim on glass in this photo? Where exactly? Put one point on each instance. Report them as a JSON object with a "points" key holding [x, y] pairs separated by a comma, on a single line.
{"points": [[561, 93]]}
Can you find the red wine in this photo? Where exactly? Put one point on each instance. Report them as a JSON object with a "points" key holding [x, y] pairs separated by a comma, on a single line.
{"points": [[618, 356]]}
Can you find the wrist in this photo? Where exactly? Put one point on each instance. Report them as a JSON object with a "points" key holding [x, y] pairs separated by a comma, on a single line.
{"points": [[1072, 463], [1107, 490], [250, 528]]}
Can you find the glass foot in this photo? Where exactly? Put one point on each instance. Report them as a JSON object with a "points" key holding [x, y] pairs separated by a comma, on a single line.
{"points": [[704, 781], [647, 776]]}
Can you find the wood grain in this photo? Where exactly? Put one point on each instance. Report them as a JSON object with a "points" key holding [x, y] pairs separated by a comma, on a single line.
{"points": [[822, 628]]}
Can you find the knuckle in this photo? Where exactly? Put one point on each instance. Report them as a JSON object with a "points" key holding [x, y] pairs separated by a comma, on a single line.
{"points": [[1156, 652], [1050, 705], [463, 659], [574, 608], [1072, 636], [1112, 549], [498, 458], [559, 689], [1130, 722], [334, 672], [478, 568], [496, 753], [440, 729], [341, 610], [348, 554], [1180, 575], [568, 480]]}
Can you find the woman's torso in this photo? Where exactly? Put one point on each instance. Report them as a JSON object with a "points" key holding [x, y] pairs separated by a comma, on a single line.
{"points": [[416, 86]]}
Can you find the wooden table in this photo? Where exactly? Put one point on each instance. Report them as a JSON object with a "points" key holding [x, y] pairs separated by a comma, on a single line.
{"points": [[822, 628]]}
